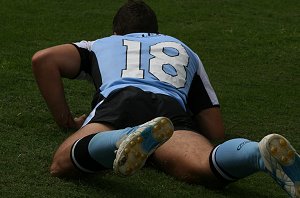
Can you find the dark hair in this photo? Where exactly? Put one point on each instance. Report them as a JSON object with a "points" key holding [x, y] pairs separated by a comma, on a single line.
{"points": [[135, 16]]}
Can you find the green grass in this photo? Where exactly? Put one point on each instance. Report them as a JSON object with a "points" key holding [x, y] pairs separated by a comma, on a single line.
{"points": [[250, 50]]}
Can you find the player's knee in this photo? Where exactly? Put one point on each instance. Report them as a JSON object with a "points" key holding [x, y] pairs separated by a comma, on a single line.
{"points": [[59, 168], [55, 169]]}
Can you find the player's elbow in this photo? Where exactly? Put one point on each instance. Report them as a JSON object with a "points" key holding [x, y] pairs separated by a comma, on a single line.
{"points": [[37, 60]]}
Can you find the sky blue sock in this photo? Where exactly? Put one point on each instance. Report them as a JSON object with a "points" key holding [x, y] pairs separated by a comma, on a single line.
{"points": [[103, 145], [237, 158]]}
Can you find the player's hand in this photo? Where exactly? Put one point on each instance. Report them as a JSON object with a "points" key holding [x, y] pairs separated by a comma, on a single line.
{"points": [[78, 121]]}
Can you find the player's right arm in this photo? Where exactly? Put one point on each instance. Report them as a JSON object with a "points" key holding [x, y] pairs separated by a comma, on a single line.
{"points": [[49, 67]]}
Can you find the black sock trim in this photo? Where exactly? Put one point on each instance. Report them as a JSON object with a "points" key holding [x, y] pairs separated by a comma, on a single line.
{"points": [[81, 158]]}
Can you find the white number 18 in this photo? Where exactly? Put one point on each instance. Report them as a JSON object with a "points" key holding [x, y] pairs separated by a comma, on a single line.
{"points": [[156, 64]]}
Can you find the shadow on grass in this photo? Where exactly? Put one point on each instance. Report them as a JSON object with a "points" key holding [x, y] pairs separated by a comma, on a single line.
{"points": [[236, 191], [109, 184], [158, 185]]}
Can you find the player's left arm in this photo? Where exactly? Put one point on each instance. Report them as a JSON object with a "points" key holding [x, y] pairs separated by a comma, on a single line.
{"points": [[206, 110], [204, 104], [210, 123]]}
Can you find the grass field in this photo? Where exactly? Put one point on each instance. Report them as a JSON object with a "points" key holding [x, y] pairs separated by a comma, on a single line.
{"points": [[251, 51]]}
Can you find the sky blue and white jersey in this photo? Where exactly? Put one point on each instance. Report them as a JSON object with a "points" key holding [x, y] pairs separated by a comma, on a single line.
{"points": [[152, 62]]}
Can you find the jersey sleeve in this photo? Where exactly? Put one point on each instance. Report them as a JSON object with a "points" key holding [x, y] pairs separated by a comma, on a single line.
{"points": [[84, 49], [201, 94]]}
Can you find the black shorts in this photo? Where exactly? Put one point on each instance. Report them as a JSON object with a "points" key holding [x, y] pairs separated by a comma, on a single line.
{"points": [[131, 106]]}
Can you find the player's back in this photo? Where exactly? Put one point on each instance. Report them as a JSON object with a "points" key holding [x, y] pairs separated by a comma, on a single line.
{"points": [[152, 62]]}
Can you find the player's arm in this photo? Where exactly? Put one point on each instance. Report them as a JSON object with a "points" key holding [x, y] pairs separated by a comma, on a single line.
{"points": [[203, 103], [210, 123], [49, 66], [206, 112]]}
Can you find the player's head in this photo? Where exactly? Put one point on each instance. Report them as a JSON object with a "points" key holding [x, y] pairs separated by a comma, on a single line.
{"points": [[135, 16]]}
